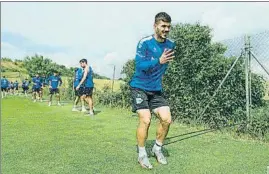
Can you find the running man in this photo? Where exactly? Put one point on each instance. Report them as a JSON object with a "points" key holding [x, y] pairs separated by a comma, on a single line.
{"points": [[43, 82], [87, 79], [4, 86], [11, 88], [25, 86], [54, 82], [16, 87], [152, 57], [36, 87], [79, 92]]}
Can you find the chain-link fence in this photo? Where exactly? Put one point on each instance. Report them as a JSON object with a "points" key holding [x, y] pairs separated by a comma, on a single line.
{"points": [[259, 46]]}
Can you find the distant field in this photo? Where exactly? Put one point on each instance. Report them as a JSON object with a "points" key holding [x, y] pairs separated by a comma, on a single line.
{"points": [[100, 83]]}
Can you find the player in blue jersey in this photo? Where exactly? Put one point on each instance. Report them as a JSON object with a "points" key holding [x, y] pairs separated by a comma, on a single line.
{"points": [[36, 87], [25, 86], [78, 93], [87, 80], [152, 58], [16, 87], [42, 80], [11, 88], [4, 86], [54, 82]]}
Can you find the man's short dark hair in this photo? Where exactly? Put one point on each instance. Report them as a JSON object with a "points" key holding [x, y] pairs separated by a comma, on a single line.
{"points": [[4, 76], [83, 61], [162, 16]]}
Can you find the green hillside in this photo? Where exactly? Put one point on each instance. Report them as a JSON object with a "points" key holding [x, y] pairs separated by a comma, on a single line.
{"points": [[13, 70]]}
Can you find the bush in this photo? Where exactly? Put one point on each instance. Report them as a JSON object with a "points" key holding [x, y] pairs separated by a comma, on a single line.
{"points": [[195, 74], [259, 126], [6, 59]]}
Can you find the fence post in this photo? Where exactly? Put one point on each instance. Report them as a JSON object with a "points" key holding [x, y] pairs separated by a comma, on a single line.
{"points": [[247, 61], [250, 78]]}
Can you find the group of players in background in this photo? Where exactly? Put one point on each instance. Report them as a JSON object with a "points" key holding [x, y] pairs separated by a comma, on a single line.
{"points": [[83, 87], [9, 87]]}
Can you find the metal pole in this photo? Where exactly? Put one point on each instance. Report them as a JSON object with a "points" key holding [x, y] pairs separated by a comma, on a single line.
{"points": [[249, 68], [255, 57], [113, 77], [247, 77]]}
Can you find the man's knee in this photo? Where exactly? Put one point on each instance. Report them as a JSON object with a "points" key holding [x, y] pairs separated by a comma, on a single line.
{"points": [[145, 121], [144, 116], [164, 114]]}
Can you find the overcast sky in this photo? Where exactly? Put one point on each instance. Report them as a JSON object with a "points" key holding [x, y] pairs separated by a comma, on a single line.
{"points": [[107, 32]]}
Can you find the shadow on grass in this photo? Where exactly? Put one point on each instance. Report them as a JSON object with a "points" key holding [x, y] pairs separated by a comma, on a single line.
{"points": [[97, 112], [195, 134], [168, 140]]}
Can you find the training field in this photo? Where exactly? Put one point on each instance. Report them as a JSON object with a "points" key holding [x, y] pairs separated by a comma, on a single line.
{"points": [[40, 139]]}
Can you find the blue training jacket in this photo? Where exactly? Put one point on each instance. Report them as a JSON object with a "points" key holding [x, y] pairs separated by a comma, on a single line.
{"points": [[148, 71]]}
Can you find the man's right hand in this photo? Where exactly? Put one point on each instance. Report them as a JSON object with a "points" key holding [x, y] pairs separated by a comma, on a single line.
{"points": [[167, 56], [50, 86]]}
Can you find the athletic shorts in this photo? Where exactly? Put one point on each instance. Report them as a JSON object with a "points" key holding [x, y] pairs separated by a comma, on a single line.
{"points": [[79, 92], [25, 88], [36, 89], [3, 89], [151, 100], [54, 91], [88, 91]]}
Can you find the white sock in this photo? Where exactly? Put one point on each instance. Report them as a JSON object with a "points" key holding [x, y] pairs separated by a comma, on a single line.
{"points": [[142, 151], [158, 145]]}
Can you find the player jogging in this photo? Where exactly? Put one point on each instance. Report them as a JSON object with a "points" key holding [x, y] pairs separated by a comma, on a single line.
{"points": [[54, 82], [25, 86], [87, 80], [16, 87], [152, 57], [4, 86], [36, 87], [43, 82], [11, 88], [79, 92]]}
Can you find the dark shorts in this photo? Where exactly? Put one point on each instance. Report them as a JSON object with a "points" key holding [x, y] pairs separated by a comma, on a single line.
{"points": [[142, 99], [17, 88], [88, 91], [3, 89], [26, 88], [54, 91], [36, 89], [79, 92]]}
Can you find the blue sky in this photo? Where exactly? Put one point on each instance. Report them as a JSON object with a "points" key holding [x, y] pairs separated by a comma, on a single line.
{"points": [[107, 33]]}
